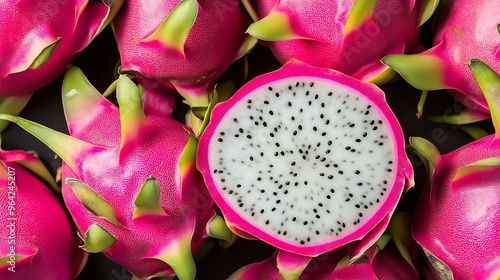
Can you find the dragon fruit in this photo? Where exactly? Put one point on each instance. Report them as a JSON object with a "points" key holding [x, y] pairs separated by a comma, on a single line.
{"points": [[464, 30], [347, 35], [458, 215], [384, 260], [39, 41], [306, 159], [184, 45], [129, 180], [37, 237]]}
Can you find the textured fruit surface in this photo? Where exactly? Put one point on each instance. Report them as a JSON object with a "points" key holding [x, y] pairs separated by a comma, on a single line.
{"points": [[37, 237], [306, 159]]}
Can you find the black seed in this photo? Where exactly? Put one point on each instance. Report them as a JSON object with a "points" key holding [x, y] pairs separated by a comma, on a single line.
{"points": [[235, 120], [302, 242], [365, 134], [267, 222], [375, 128], [271, 113], [330, 143], [330, 177], [294, 219], [357, 206], [220, 140], [299, 127], [304, 223], [360, 184], [357, 172], [249, 136], [266, 102], [348, 148]]}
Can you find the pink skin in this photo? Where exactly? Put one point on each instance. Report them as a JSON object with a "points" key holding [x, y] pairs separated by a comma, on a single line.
{"points": [[37, 24], [457, 221], [296, 68], [45, 242], [214, 42], [392, 29]]}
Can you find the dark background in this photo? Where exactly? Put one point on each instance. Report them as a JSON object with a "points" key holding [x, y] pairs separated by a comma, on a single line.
{"points": [[98, 62]]}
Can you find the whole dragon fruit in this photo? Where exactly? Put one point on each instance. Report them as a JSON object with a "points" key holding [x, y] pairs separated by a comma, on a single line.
{"points": [[464, 30], [346, 35], [306, 159], [129, 180], [458, 216], [39, 40], [180, 44], [36, 237]]}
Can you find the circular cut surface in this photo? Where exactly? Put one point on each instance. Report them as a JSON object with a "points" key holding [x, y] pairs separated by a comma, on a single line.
{"points": [[303, 161]]}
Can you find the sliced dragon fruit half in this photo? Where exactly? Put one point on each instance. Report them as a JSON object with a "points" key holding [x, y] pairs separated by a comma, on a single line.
{"points": [[306, 159]]}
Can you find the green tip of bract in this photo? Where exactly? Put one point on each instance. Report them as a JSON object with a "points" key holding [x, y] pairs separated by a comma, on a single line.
{"points": [[422, 71], [173, 32], [290, 265], [132, 117], [276, 26], [45, 54], [65, 146], [92, 201], [477, 168], [400, 231], [428, 10], [425, 148], [13, 105], [489, 82], [178, 256], [97, 239], [360, 13], [147, 201], [79, 98], [217, 228]]}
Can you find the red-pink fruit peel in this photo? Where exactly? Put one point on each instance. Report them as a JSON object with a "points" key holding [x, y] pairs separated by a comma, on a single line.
{"points": [[233, 111]]}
